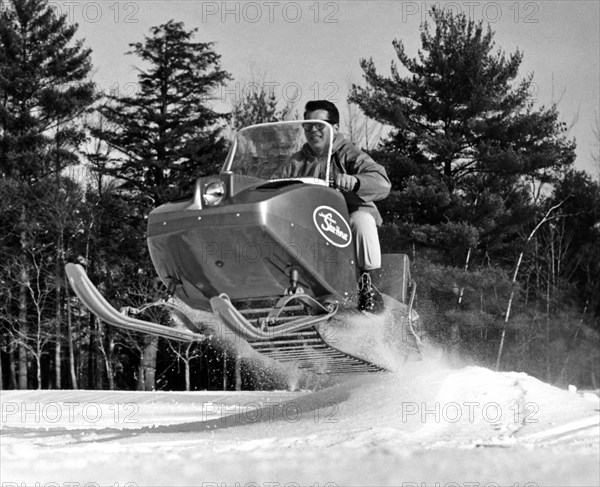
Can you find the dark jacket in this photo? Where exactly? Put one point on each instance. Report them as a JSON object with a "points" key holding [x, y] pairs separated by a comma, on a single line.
{"points": [[373, 183]]}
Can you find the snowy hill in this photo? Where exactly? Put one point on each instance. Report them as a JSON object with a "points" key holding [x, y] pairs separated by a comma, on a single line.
{"points": [[468, 426]]}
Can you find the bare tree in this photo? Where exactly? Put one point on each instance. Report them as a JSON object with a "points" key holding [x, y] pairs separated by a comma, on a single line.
{"points": [[186, 352], [361, 130], [255, 102], [545, 218], [33, 340]]}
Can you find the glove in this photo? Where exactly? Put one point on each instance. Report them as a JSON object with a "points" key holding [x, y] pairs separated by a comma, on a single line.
{"points": [[346, 182]]}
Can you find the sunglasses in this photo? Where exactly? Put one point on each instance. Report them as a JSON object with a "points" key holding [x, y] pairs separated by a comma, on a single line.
{"points": [[319, 126]]}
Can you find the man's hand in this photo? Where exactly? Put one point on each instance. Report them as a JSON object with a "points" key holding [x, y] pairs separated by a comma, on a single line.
{"points": [[345, 182]]}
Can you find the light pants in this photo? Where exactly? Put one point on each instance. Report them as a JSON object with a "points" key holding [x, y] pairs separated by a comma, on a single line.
{"points": [[366, 240]]}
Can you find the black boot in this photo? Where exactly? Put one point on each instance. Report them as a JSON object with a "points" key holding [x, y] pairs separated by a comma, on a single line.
{"points": [[369, 298]]}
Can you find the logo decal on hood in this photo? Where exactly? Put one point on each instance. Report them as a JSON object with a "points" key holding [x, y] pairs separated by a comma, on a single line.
{"points": [[334, 228]]}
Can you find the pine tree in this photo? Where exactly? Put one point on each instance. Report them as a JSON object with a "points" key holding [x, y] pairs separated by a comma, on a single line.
{"points": [[165, 133], [467, 137], [44, 88], [159, 139]]}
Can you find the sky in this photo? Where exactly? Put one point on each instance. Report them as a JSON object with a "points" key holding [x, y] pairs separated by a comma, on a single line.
{"points": [[303, 50]]}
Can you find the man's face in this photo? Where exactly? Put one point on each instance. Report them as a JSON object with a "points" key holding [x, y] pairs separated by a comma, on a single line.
{"points": [[317, 139]]}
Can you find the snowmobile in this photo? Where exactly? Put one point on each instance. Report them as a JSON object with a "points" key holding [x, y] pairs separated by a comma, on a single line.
{"points": [[273, 259]]}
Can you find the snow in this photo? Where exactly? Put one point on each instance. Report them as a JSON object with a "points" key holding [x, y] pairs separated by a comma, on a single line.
{"points": [[423, 425]]}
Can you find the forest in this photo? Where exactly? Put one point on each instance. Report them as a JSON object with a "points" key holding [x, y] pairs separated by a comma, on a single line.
{"points": [[502, 231]]}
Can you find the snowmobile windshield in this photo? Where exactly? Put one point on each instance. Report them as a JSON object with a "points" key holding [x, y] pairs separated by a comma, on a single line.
{"points": [[299, 150]]}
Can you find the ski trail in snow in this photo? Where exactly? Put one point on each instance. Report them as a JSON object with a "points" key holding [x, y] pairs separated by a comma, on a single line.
{"points": [[461, 406], [423, 424]]}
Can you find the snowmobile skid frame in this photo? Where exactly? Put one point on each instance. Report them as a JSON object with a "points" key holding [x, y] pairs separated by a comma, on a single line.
{"points": [[287, 334], [297, 341]]}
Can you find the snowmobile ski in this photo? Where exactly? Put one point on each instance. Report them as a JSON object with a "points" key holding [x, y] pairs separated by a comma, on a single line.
{"points": [[99, 306]]}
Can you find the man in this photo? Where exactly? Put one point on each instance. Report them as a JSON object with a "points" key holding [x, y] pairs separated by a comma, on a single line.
{"points": [[362, 182]]}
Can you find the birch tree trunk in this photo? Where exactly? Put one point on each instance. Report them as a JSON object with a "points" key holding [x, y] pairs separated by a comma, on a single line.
{"points": [[23, 327], [58, 316], [147, 370], [238, 373], [72, 369], [514, 281]]}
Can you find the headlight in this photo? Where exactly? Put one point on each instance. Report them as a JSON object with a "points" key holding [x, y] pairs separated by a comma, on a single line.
{"points": [[214, 193]]}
